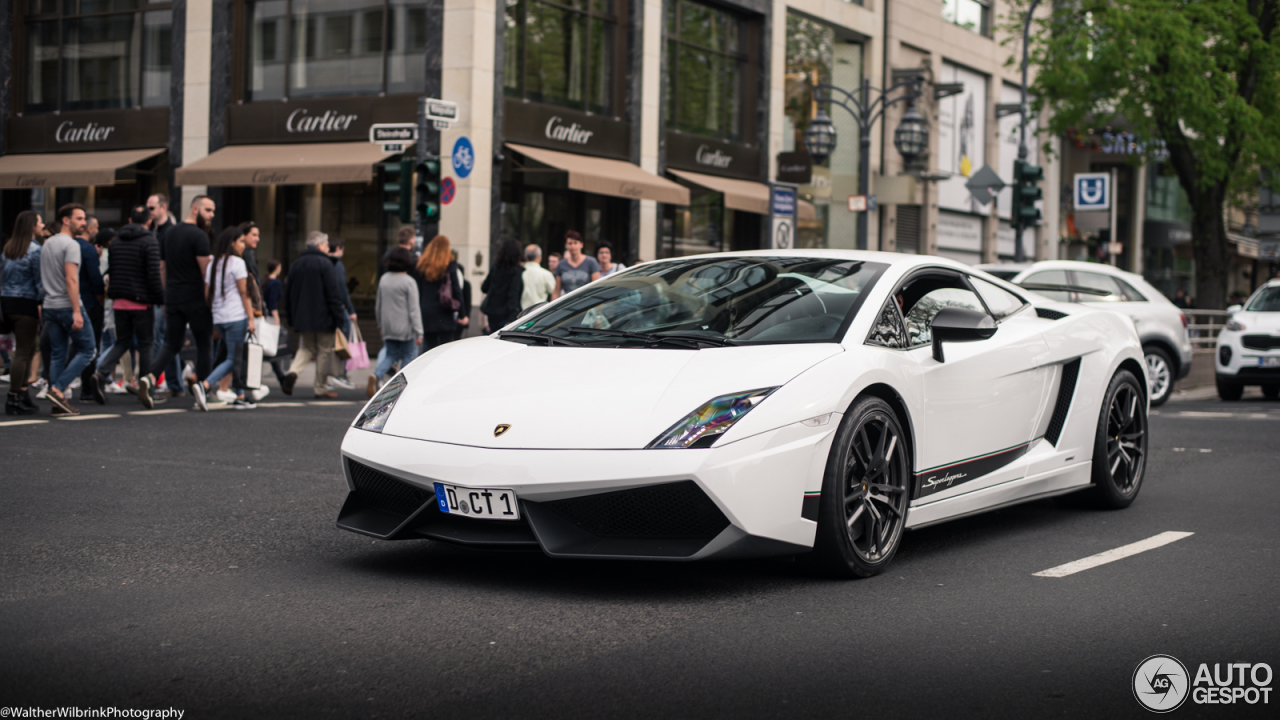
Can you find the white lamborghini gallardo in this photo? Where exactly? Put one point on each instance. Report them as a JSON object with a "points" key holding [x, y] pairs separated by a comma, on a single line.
{"points": [[817, 403]]}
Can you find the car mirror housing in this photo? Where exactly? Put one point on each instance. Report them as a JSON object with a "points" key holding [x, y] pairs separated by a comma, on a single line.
{"points": [[1234, 308], [957, 324]]}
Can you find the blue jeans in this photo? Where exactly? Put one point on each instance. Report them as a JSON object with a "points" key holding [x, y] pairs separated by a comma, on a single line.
{"points": [[403, 350], [172, 373], [61, 370], [233, 334]]}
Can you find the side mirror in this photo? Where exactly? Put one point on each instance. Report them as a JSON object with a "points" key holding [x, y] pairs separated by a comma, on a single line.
{"points": [[530, 309], [1234, 308], [957, 324]]}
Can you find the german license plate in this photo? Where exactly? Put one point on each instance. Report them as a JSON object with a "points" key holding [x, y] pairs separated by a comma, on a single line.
{"points": [[1269, 362], [485, 503]]}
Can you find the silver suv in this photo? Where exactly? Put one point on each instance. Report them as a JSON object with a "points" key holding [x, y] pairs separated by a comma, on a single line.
{"points": [[1162, 326]]}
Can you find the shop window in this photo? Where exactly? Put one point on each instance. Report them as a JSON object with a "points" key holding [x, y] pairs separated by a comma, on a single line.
{"points": [[562, 53], [95, 54], [973, 15], [706, 70], [323, 48]]}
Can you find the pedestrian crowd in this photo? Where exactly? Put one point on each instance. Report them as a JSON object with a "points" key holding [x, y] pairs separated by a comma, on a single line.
{"points": [[118, 311]]}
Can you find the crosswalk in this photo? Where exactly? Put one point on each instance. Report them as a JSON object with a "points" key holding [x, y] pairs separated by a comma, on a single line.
{"points": [[213, 407]]}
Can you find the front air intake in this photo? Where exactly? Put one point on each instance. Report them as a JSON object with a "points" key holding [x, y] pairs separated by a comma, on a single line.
{"points": [[379, 504], [1066, 389]]}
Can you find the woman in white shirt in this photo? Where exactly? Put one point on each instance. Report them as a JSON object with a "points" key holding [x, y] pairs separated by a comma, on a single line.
{"points": [[604, 256], [226, 280]]}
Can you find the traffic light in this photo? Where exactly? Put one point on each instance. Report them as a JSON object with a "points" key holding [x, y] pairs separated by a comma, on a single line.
{"points": [[1026, 191], [428, 190], [399, 189]]}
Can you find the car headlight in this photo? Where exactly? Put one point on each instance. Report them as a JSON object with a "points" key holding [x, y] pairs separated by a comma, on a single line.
{"points": [[375, 414], [1234, 326], [702, 427]]}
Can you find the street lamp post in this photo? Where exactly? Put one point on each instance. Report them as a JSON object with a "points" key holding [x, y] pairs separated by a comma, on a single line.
{"points": [[1019, 252], [820, 138]]}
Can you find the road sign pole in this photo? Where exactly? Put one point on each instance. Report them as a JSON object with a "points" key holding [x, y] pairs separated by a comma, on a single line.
{"points": [[1114, 239]]}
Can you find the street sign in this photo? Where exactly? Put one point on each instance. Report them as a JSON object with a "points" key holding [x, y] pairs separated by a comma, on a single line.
{"points": [[395, 147], [464, 157], [440, 111], [1269, 250], [984, 185], [782, 217], [857, 203], [448, 188], [1092, 191], [1115, 248], [393, 137]]}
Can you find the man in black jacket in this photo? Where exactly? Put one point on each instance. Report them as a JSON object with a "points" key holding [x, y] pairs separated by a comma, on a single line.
{"points": [[313, 308], [135, 289]]}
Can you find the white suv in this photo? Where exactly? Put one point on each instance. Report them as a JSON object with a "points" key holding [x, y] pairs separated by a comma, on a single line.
{"points": [[1248, 351], [1161, 325]]}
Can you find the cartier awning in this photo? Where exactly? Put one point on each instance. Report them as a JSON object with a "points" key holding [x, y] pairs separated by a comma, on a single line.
{"points": [[745, 195], [68, 169], [608, 177], [300, 164]]}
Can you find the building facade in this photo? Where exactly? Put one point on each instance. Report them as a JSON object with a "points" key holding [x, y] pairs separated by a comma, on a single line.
{"points": [[653, 125]]}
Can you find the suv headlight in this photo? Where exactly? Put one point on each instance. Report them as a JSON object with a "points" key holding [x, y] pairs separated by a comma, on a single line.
{"points": [[375, 414], [1235, 326], [702, 427]]}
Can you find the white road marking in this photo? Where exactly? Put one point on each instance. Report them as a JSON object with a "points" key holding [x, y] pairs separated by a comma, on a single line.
{"points": [[1194, 413], [15, 423], [99, 416], [1119, 553], [1228, 415], [335, 402], [1195, 450], [164, 411], [281, 404]]}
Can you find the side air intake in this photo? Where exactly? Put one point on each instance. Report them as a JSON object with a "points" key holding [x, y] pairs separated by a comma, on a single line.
{"points": [[1066, 389], [1048, 314]]}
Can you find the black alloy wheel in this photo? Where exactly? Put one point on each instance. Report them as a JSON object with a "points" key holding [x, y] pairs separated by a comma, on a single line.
{"points": [[865, 490], [1120, 448]]}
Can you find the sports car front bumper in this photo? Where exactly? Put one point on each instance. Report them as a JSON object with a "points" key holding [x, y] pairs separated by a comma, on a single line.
{"points": [[746, 498]]}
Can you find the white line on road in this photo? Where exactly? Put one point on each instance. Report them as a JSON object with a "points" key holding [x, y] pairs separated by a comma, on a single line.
{"points": [[15, 423], [1119, 553], [1199, 450], [99, 416], [335, 402], [281, 404], [165, 411]]}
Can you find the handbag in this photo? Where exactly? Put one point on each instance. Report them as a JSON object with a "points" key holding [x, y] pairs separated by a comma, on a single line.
{"points": [[447, 301], [268, 334], [340, 347], [359, 351], [250, 353]]}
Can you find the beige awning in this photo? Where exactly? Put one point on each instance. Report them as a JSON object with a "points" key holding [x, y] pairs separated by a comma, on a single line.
{"points": [[608, 177], [745, 195], [806, 210], [68, 169], [300, 164]]}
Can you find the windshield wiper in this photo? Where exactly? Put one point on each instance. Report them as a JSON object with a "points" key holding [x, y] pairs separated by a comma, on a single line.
{"points": [[692, 338], [582, 330], [688, 339], [550, 340], [1065, 288]]}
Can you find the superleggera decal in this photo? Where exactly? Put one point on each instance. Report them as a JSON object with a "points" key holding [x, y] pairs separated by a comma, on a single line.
{"points": [[937, 479]]}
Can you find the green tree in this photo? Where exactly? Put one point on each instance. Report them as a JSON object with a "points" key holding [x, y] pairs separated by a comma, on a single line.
{"points": [[1203, 75]]}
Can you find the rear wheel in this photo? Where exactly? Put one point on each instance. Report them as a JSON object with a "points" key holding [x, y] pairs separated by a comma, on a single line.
{"points": [[1271, 392], [1159, 375], [1228, 390], [1120, 446], [863, 511]]}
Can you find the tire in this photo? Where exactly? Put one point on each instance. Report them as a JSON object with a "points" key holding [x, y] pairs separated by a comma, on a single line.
{"points": [[1271, 392], [1120, 444], [1228, 390], [865, 491], [1159, 374]]}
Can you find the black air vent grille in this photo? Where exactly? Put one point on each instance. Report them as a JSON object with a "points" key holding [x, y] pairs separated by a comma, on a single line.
{"points": [[1066, 389], [906, 233], [671, 511], [1261, 342], [381, 491], [1048, 314]]}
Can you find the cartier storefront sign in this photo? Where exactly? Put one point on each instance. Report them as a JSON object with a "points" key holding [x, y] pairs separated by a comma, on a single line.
{"points": [[714, 157], [319, 120], [567, 130], [87, 131]]}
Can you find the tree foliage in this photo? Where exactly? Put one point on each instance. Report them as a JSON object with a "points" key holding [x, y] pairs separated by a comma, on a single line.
{"points": [[1203, 75]]}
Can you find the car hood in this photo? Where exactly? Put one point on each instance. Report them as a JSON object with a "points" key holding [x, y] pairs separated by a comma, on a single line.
{"points": [[578, 398], [1259, 322]]}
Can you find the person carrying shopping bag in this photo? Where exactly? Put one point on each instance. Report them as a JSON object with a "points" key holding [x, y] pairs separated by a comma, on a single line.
{"points": [[399, 317], [228, 282]]}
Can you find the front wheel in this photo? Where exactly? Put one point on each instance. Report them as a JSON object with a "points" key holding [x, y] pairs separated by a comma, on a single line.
{"points": [[1271, 392], [1120, 446], [1159, 375], [1228, 390], [863, 511]]}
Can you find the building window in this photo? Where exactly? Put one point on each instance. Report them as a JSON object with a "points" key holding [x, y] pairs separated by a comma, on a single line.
{"points": [[95, 54], [974, 15], [562, 53], [324, 48], [706, 70]]}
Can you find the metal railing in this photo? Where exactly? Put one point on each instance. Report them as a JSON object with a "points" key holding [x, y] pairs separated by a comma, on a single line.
{"points": [[1203, 327]]}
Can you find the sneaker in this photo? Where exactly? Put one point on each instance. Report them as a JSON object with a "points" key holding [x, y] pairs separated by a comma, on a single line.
{"points": [[289, 381], [144, 392], [341, 382], [260, 393], [4, 379], [75, 384], [97, 381], [196, 388], [119, 388], [58, 411], [225, 396], [371, 387], [243, 404], [43, 394], [61, 406], [40, 384]]}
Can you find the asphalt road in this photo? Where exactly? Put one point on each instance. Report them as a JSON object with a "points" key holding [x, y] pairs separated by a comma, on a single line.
{"points": [[191, 561]]}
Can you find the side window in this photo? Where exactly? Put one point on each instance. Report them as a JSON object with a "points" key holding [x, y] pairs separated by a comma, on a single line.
{"points": [[922, 312], [1001, 302], [1049, 277], [888, 330], [1131, 293], [1100, 282]]}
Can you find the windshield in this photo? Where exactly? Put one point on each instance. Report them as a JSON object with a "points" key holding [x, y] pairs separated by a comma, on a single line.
{"points": [[725, 300], [1267, 300]]}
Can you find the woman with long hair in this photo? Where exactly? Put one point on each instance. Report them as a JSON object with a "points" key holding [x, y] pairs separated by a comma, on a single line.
{"points": [[438, 293], [21, 292], [227, 280], [503, 287]]}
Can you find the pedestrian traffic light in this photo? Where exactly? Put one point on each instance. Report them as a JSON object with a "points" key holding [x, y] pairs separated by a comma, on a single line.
{"points": [[1026, 191], [428, 190], [398, 189]]}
